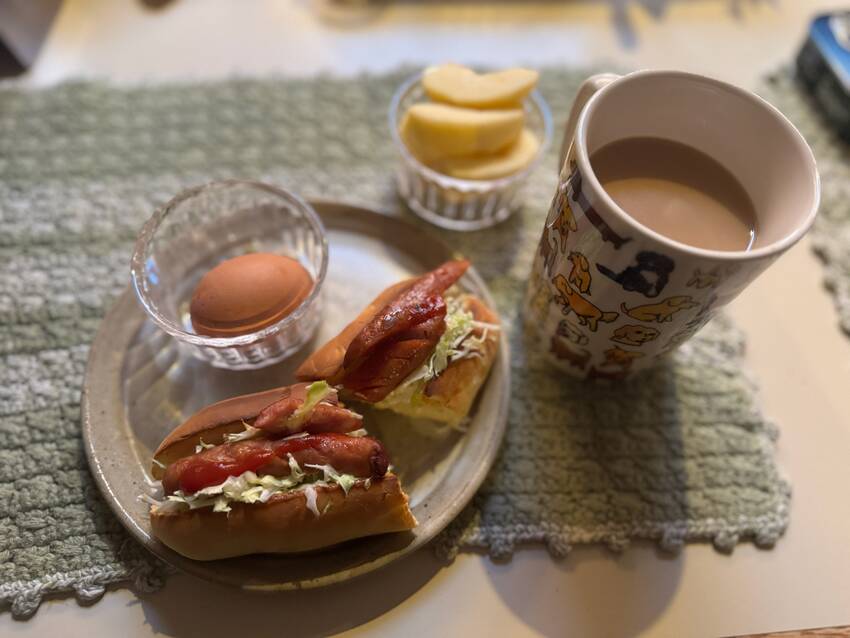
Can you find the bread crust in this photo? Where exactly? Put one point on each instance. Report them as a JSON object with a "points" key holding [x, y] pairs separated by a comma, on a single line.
{"points": [[212, 423], [285, 524]]}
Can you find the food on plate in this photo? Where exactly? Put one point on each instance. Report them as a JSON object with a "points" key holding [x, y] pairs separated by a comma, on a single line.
{"points": [[438, 131], [282, 471], [456, 84], [421, 348], [474, 127], [248, 293]]}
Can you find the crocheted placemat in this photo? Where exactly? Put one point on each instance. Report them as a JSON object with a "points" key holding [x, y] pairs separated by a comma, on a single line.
{"points": [[681, 454], [831, 232]]}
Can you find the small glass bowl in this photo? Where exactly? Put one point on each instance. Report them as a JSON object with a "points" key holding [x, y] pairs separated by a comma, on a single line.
{"points": [[462, 204], [208, 224]]}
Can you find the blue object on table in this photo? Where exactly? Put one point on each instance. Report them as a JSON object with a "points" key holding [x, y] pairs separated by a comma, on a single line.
{"points": [[823, 66]]}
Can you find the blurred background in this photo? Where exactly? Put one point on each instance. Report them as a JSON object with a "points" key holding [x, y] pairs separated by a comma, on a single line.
{"points": [[134, 40]]}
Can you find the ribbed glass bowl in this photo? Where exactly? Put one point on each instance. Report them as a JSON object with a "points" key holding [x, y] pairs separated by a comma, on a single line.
{"points": [[461, 204], [205, 225]]}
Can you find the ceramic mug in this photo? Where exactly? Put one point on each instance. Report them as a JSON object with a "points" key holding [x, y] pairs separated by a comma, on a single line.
{"points": [[608, 295]]}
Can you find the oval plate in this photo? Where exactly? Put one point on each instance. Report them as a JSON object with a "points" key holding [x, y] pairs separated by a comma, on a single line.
{"points": [[139, 385]]}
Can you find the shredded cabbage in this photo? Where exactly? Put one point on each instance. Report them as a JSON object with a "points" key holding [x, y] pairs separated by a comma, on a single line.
{"points": [[310, 495], [345, 481], [251, 488], [316, 393], [201, 446], [249, 432]]}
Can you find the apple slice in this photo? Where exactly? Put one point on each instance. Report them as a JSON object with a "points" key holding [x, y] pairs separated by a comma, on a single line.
{"points": [[437, 131], [510, 160], [456, 84]]}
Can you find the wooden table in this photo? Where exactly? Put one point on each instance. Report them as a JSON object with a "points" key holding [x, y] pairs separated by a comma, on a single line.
{"points": [[799, 357]]}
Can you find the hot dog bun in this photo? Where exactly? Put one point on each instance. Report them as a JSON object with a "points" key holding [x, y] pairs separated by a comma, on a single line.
{"points": [[285, 524], [211, 424]]}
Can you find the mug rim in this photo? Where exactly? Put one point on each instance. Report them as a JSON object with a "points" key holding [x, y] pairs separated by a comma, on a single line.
{"points": [[774, 248]]}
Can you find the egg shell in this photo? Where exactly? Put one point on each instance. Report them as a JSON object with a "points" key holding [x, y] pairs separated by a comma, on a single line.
{"points": [[248, 293]]}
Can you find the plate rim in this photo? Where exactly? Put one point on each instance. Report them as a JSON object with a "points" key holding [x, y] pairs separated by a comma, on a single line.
{"points": [[103, 354]]}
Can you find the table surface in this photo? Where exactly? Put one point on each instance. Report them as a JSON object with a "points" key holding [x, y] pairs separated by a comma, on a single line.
{"points": [[804, 373]]}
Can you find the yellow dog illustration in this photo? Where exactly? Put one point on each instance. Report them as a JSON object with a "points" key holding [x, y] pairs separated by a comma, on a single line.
{"points": [[580, 272], [548, 250], [661, 311], [632, 335], [565, 222], [702, 280], [616, 356], [576, 358], [588, 314]]}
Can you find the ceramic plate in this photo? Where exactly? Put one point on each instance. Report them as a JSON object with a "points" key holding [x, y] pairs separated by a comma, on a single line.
{"points": [[139, 385]]}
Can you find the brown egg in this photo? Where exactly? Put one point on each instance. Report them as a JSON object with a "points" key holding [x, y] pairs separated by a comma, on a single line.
{"points": [[248, 293]]}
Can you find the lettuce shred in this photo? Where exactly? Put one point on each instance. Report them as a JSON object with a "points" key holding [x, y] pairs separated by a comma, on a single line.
{"points": [[251, 488], [317, 392], [250, 432]]}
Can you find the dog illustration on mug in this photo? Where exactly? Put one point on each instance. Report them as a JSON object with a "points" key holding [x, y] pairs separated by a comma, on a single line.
{"points": [[708, 279], [565, 222], [580, 272], [648, 275], [576, 358], [571, 333], [661, 311], [616, 356], [548, 250], [632, 335], [571, 301]]}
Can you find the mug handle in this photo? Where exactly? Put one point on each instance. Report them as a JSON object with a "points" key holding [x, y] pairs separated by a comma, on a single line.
{"points": [[586, 91]]}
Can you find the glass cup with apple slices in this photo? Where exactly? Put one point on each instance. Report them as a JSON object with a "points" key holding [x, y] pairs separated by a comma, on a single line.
{"points": [[481, 184]]}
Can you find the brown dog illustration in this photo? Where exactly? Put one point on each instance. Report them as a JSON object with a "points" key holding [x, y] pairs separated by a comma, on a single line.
{"points": [[571, 333], [548, 251], [580, 272], [702, 280], [693, 326], [588, 314], [565, 222], [661, 311], [616, 356], [610, 375], [560, 349], [632, 335]]}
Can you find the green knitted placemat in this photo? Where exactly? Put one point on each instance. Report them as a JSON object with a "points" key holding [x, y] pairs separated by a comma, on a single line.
{"points": [[831, 232], [682, 454]]}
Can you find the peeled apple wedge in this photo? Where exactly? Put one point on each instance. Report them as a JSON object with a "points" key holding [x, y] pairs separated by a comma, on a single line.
{"points": [[458, 85], [438, 131], [507, 162]]}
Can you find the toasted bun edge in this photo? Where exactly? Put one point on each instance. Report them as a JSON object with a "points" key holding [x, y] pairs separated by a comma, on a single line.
{"points": [[285, 525]]}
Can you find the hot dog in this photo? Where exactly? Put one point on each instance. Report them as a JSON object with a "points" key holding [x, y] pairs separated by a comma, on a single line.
{"points": [[296, 472], [362, 457], [420, 348]]}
